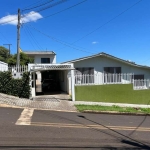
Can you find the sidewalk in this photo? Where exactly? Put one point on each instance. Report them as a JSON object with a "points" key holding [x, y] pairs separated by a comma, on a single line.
{"points": [[54, 103], [47, 103], [111, 104]]}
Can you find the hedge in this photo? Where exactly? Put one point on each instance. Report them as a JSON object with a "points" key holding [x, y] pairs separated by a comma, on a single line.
{"points": [[15, 87]]}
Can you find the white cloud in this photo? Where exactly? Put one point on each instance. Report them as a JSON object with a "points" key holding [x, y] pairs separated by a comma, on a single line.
{"points": [[95, 42], [13, 19]]}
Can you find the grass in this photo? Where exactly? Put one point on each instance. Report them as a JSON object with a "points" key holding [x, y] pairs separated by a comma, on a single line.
{"points": [[82, 108], [115, 93]]}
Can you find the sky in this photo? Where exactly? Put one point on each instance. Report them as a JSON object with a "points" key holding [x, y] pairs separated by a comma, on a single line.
{"points": [[78, 28]]}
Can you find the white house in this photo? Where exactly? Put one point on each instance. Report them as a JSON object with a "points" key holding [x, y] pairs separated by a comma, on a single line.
{"points": [[42, 57], [47, 76], [105, 63], [98, 69]]}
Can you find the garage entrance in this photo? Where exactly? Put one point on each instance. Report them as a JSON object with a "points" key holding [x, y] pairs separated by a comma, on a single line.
{"points": [[51, 82], [52, 79]]}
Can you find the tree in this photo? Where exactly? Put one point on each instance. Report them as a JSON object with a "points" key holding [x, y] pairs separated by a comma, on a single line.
{"points": [[12, 59], [24, 59], [4, 54]]}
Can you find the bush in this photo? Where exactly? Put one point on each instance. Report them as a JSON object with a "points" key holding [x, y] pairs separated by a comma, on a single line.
{"points": [[15, 87]]}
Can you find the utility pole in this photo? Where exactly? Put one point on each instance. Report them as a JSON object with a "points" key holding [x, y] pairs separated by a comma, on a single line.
{"points": [[18, 39], [9, 47]]}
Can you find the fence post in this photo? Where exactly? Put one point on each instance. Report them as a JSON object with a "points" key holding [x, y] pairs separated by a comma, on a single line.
{"points": [[73, 84]]}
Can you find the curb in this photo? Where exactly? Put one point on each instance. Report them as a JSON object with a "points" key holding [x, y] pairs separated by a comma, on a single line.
{"points": [[19, 107], [111, 104], [114, 113]]}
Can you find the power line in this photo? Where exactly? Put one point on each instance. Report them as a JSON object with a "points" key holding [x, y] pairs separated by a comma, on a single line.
{"points": [[38, 5], [14, 12], [48, 15], [59, 41], [36, 11], [33, 38], [108, 21], [52, 5], [64, 9], [42, 9], [5, 38], [29, 38], [32, 4]]}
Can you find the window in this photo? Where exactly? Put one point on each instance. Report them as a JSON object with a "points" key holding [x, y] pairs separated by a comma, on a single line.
{"points": [[138, 77], [108, 77], [89, 71], [86, 70], [112, 70], [45, 60]]}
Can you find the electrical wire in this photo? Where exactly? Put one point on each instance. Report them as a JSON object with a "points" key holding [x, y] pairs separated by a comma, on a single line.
{"points": [[51, 14], [108, 21], [57, 3], [33, 38], [29, 36], [31, 4], [79, 47], [6, 38], [49, 1], [63, 10], [52, 5], [42, 9], [59, 41]]}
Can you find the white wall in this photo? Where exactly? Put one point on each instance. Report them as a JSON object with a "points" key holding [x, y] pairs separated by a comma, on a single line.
{"points": [[100, 62], [63, 80], [3, 66], [37, 58]]}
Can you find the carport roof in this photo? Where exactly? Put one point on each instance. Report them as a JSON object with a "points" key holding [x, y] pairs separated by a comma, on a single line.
{"points": [[44, 67]]}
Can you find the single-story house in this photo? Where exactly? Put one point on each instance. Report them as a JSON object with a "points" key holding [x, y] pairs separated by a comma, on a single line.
{"points": [[105, 63]]}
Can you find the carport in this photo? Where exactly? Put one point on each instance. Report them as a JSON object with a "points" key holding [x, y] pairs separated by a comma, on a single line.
{"points": [[48, 79]]}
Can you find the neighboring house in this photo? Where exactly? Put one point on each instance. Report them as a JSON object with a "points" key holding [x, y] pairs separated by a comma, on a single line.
{"points": [[108, 64], [3, 66]]}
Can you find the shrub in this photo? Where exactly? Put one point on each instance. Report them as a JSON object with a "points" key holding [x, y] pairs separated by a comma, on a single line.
{"points": [[15, 87]]}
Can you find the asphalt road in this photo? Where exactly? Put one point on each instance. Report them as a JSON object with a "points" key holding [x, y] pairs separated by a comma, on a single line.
{"points": [[40, 129]]}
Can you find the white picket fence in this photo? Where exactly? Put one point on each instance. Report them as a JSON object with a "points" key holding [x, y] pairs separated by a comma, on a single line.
{"points": [[17, 71], [14, 69], [141, 84], [99, 79]]}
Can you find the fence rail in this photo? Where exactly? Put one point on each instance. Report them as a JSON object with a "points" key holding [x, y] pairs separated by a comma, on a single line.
{"points": [[141, 84], [99, 79], [14, 69]]}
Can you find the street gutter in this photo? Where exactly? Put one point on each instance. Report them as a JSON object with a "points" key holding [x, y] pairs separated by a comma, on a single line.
{"points": [[114, 113]]}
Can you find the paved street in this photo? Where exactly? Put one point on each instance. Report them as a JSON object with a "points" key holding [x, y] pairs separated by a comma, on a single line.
{"points": [[40, 129]]}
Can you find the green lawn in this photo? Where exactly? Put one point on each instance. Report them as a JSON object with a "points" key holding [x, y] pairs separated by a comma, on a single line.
{"points": [[82, 108], [115, 93]]}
